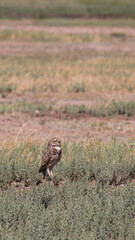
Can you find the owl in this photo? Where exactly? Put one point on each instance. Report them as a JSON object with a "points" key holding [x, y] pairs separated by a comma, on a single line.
{"points": [[51, 156]]}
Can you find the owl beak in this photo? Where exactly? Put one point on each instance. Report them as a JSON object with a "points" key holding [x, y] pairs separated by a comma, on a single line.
{"points": [[59, 143]]}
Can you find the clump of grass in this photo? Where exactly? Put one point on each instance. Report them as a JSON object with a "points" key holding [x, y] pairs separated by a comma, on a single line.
{"points": [[122, 36], [77, 87], [120, 108], [74, 109], [114, 108], [24, 107], [5, 89]]}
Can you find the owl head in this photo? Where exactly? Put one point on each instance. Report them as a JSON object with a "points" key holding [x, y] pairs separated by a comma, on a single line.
{"points": [[54, 142]]}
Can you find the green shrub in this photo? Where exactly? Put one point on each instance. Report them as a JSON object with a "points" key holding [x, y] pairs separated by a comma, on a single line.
{"points": [[78, 208], [73, 211]]}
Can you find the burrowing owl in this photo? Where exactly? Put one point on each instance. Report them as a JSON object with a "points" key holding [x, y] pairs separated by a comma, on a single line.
{"points": [[51, 156]]}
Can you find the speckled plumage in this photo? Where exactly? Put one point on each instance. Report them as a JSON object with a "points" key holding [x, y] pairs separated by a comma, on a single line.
{"points": [[51, 156]]}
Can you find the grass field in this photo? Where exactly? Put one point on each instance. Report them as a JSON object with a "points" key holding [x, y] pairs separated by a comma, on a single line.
{"points": [[71, 78], [88, 199], [63, 8], [71, 74]]}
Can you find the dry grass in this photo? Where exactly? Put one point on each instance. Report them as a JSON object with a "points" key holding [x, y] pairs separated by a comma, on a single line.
{"points": [[95, 74], [52, 37], [87, 70], [85, 22]]}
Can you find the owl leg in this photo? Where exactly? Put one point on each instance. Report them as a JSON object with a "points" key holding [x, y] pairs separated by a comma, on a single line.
{"points": [[49, 172]]}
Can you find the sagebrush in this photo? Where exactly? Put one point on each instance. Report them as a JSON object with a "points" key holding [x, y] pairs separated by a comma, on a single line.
{"points": [[77, 208]]}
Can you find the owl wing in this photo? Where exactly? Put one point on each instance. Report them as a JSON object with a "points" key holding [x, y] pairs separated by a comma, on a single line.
{"points": [[45, 160]]}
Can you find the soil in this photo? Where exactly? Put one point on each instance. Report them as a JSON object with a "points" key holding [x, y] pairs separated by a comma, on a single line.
{"points": [[9, 48], [22, 185], [68, 127], [28, 25], [26, 48]]}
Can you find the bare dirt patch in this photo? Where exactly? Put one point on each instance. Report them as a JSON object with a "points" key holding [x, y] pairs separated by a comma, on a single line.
{"points": [[8, 48], [26, 185], [26, 48], [68, 127], [28, 25], [87, 99]]}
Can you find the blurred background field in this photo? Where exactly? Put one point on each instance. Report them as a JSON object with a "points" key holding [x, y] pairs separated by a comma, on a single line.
{"points": [[65, 8], [67, 70], [50, 71]]}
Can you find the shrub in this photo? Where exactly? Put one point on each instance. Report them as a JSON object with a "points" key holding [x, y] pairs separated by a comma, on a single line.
{"points": [[78, 208], [110, 163], [72, 211]]}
